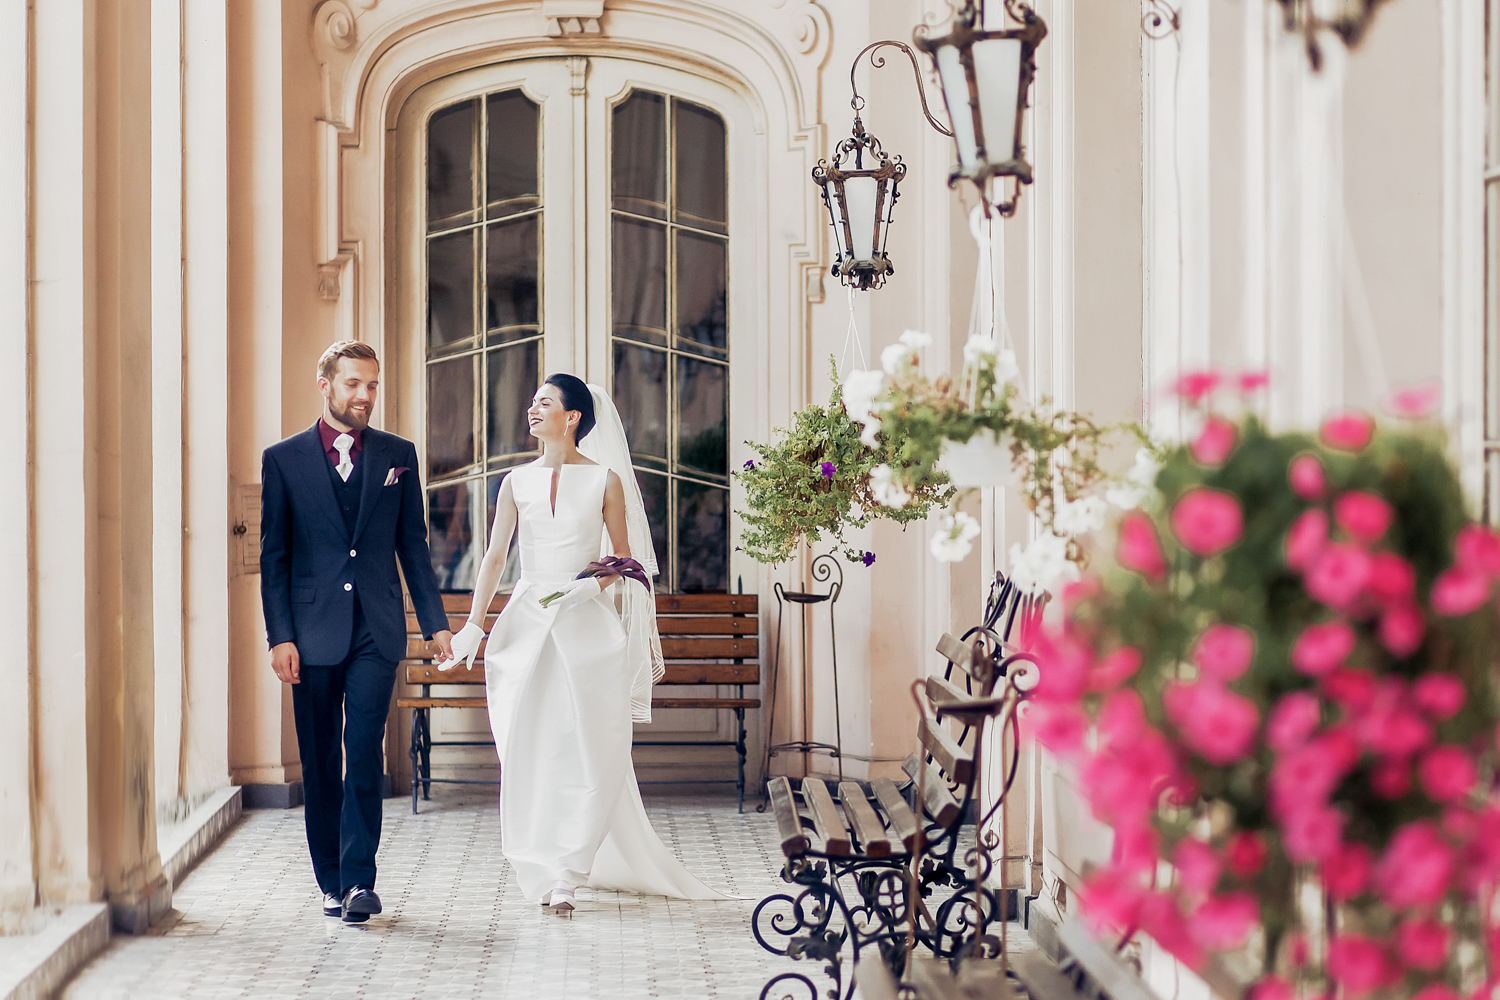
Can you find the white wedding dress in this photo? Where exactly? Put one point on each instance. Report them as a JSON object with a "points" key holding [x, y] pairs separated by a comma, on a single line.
{"points": [[559, 688]]}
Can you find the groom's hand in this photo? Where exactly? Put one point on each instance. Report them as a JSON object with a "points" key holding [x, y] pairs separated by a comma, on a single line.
{"points": [[444, 640], [287, 663]]}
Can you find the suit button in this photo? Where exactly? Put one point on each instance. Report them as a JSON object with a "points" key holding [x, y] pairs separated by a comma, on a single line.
{"points": [[352, 553], [348, 586]]}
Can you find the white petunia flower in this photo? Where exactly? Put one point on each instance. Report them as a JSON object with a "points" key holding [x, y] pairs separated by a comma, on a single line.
{"points": [[915, 339], [1006, 369], [955, 541], [980, 348], [1041, 564], [896, 358], [886, 490], [1139, 484], [867, 436], [860, 390], [1080, 517]]}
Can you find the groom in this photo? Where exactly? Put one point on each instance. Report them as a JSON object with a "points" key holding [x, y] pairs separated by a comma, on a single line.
{"points": [[340, 503]]}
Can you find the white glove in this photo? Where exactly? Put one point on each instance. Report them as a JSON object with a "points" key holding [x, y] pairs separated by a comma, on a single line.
{"points": [[576, 593], [465, 645]]}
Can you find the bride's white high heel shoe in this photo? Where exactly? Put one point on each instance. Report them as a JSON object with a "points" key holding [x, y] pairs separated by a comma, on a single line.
{"points": [[560, 902]]}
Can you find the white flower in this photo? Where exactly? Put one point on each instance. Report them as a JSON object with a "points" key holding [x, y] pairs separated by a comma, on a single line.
{"points": [[915, 340], [886, 490], [1006, 369], [1041, 564], [980, 348], [867, 436], [1079, 517], [1139, 483], [860, 390], [955, 541], [897, 357]]}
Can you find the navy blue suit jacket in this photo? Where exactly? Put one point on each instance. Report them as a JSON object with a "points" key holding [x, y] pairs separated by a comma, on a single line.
{"points": [[311, 567]]}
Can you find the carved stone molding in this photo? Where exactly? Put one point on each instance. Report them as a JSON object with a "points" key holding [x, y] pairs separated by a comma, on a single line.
{"points": [[330, 277], [334, 26], [572, 17]]}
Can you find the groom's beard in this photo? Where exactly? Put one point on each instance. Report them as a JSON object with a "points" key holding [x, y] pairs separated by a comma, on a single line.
{"points": [[349, 416]]}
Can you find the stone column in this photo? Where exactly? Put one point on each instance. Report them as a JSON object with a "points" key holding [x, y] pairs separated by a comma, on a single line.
{"points": [[17, 872]]}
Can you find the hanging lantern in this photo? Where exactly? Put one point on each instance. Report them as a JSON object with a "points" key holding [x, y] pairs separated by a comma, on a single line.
{"points": [[986, 81], [1347, 19], [859, 190]]}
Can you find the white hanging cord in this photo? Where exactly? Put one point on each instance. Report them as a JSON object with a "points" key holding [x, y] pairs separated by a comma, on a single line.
{"points": [[852, 334]]}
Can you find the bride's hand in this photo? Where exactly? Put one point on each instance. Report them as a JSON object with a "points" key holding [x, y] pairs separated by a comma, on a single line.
{"points": [[576, 593], [465, 646]]}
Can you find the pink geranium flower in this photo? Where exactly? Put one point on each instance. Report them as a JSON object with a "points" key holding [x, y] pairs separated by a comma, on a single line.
{"points": [[1338, 576], [1351, 688], [1271, 988], [1422, 944], [1193, 386], [1214, 442], [1306, 539], [1447, 773], [1123, 787], [1415, 402], [1359, 964], [1198, 866], [1348, 431], [1116, 668], [1416, 868], [1305, 778], [1392, 579], [1346, 871], [1112, 899], [1322, 647], [1402, 629], [1160, 917], [1442, 991], [1365, 516], [1122, 721], [1251, 381], [1139, 550], [1224, 922], [1207, 521], [1063, 663], [1312, 833], [1061, 728], [1439, 695], [1459, 590], [1478, 547], [1224, 651], [1293, 719], [1216, 723], [1390, 777], [1246, 854], [1305, 474]]}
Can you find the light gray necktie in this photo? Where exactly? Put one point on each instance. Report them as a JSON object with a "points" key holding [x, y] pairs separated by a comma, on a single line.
{"points": [[343, 443]]}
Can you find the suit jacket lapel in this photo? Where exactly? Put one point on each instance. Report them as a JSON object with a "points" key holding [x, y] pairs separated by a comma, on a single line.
{"points": [[314, 460], [377, 465]]}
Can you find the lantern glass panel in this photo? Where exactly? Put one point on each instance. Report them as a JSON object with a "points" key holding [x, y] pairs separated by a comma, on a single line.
{"points": [[956, 95], [832, 191], [997, 73], [860, 193]]}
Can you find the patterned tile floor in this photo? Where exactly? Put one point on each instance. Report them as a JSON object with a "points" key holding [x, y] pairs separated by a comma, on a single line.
{"points": [[248, 924]]}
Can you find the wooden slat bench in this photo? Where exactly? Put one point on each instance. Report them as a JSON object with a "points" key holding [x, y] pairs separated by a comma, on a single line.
{"points": [[853, 857], [706, 640]]}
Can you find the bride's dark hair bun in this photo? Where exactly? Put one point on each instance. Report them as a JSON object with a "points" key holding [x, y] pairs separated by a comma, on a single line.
{"points": [[575, 396]]}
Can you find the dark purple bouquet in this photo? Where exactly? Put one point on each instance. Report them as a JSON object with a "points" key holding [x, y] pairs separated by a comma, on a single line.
{"points": [[608, 566]]}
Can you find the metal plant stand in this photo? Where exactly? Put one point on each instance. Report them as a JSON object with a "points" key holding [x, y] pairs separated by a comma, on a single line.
{"points": [[825, 568]]}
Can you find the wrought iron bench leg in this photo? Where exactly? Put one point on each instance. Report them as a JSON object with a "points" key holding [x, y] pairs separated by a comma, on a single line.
{"points": [[412, 753], [739, 747], [426, 754]]}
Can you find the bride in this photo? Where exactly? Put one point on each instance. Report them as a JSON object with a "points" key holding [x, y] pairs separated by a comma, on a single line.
{"points": [[567, 675]]}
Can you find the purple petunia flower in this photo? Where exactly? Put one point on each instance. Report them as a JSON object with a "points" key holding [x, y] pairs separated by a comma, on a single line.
{"points": [[828, 469], [749, 463], [868, 558]]}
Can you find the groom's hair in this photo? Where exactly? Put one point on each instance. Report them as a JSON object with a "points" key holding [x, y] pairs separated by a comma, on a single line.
{"points": [[328, 364], [575, 396]]}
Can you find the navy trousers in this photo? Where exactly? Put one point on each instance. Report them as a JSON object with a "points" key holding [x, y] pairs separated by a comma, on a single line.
{"points": [[340, 711]]}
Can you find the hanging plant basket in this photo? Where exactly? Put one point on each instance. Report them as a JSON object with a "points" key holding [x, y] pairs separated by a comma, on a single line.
{"points": [[983, 460]]}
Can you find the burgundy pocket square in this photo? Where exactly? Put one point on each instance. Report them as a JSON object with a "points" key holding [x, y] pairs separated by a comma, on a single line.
{"points": [[394, 476]]}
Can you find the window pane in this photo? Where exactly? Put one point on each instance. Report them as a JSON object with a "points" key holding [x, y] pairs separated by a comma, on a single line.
{"points": [[702, 278], [512, 557], [450, 534], [654, 493], [699, 164], [640, 155], [640, 280], [702, 416], [511, 275], [511, 171], [450, 166], [450, 290], [450, 416], [513, 377], [641, 398], [702, 538]]}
